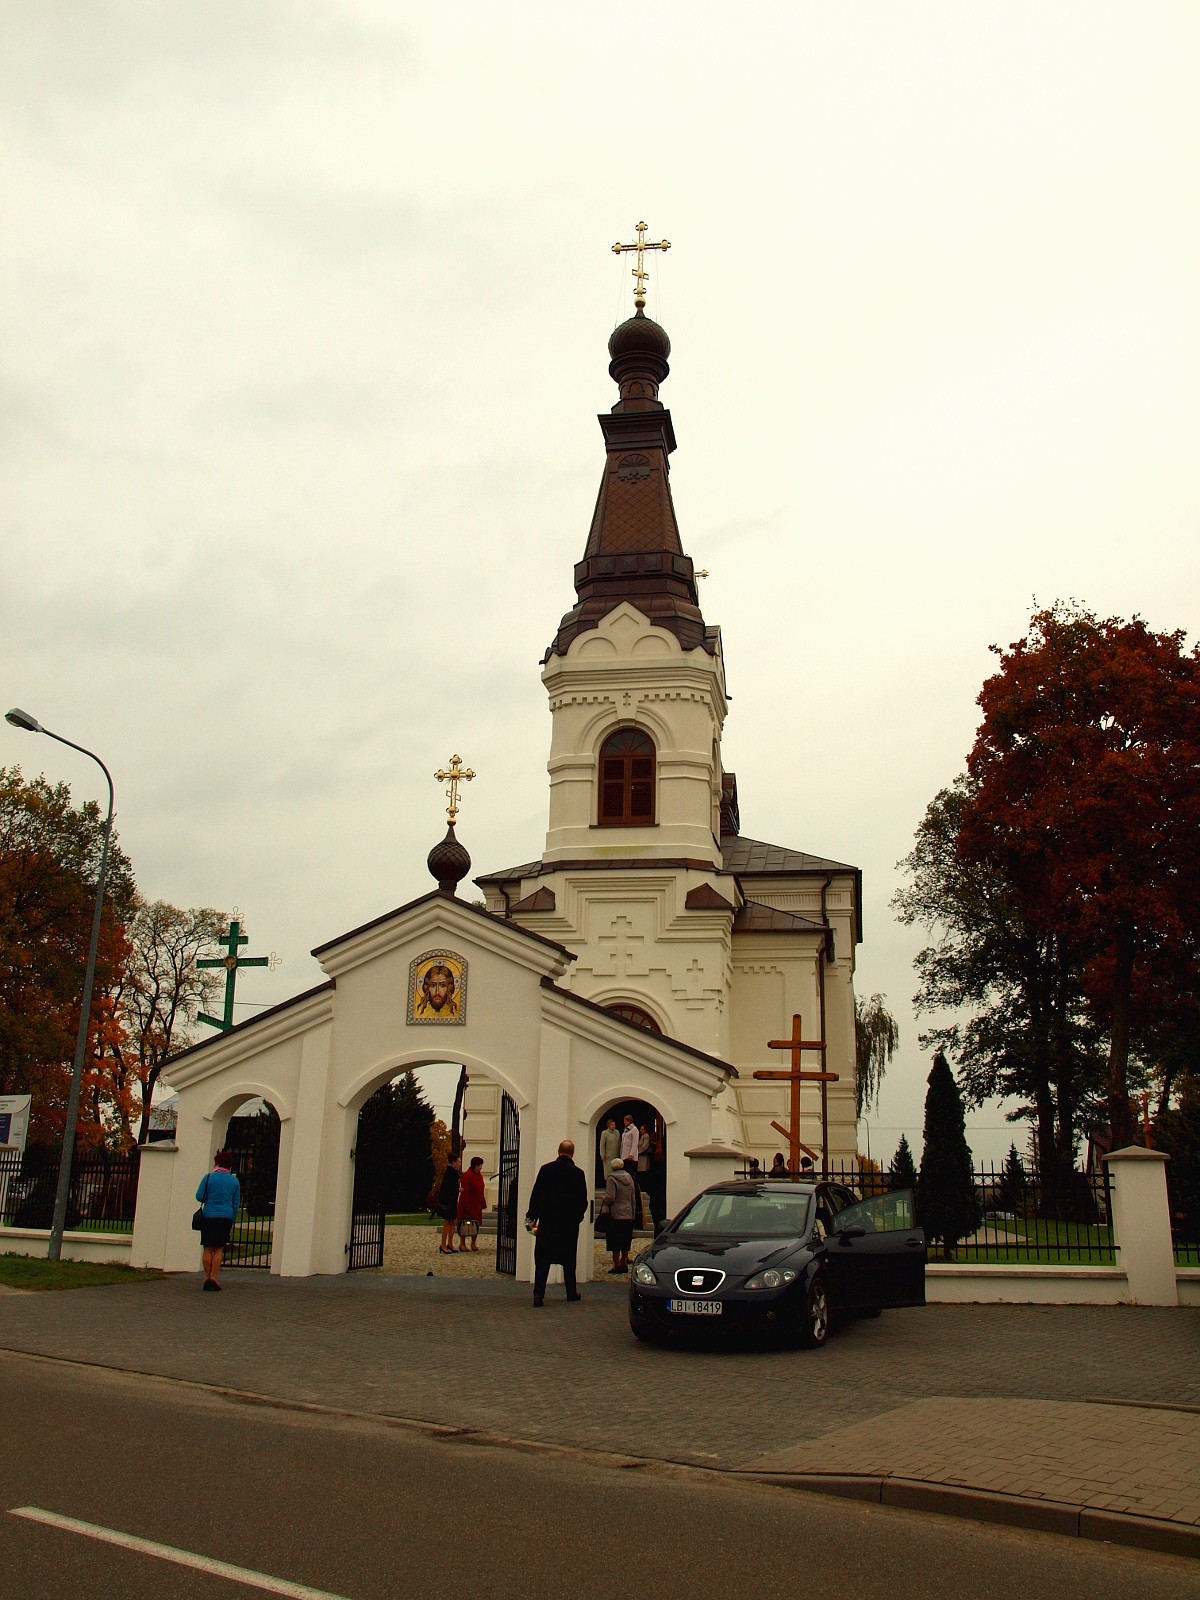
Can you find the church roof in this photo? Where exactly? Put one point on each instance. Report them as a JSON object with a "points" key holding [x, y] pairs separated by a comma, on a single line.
{"points": [[752, 917], [753, 858], [250, 1022], [633, 551], [475, 911], [741, 856]]}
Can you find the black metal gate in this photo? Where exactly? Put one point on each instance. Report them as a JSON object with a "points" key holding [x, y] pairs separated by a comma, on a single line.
{"points": [[253, 1143], [506, 1197], [368, 1215]]}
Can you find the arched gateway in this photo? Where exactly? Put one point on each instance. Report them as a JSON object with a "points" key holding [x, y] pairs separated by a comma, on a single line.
{"points": [[497, 990]]}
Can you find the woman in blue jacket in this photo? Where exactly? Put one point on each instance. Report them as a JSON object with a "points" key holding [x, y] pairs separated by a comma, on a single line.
{"points": [[220, 1195]]}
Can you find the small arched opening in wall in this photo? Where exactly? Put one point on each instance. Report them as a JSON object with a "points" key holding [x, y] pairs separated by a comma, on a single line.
{"points": [[632, 1012], [252, 1140], [652, 1126]]}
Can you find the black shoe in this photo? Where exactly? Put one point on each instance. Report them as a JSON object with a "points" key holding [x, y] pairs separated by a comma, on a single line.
{"points": [[215, 1286], [574, 1297], [208, 1284], [622, 1270], [538, 1302]]}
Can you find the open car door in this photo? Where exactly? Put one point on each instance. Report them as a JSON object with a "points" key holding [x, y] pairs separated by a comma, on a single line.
{"points": [[878, 1252]]}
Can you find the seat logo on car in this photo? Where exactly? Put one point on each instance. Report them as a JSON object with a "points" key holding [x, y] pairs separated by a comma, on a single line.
{"points": [[698, 1280]]}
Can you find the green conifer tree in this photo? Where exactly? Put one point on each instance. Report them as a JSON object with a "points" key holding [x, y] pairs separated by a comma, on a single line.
{"points": [[902, 1174], [1012, 1184], [947, 1207]]}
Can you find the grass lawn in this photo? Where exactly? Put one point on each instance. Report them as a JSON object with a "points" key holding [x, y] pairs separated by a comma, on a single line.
{"points": [[412, 1219], [35, 1272]]}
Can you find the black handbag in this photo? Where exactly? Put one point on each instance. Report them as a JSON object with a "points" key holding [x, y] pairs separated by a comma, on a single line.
{"points": [[198, 1214]]}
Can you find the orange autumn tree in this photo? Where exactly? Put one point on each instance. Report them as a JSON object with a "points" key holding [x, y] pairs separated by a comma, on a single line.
{"points": [[49, 857], [1086, 773]]}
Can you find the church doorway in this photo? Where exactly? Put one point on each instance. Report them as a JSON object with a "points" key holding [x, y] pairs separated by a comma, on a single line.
{"points": [[252, 1139], [653, 1183]]}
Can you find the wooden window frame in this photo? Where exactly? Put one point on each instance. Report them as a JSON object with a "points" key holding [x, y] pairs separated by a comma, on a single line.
{"points": [[638, 785], [635, 1014]]}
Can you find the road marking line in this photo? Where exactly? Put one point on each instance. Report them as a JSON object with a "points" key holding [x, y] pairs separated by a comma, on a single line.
{"points": [[168, 1552]]}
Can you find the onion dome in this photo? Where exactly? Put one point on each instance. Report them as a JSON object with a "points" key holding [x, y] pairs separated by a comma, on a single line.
{"points": [[449, 862], [638, 352]]}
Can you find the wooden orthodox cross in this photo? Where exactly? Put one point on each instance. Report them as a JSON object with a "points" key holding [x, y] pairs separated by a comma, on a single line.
{"points": [[232, 963], [795, 1077], [639, 272], [453, 775]]}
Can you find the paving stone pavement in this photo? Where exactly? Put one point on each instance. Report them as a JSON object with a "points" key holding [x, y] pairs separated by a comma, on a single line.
{"points": [[475, 1354], [1126, 1459]]}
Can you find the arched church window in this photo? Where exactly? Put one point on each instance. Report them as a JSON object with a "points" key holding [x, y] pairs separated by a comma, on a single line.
{"points": [[634, 1014], [627, 780]]}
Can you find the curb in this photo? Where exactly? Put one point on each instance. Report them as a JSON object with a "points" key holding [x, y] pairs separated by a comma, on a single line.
{"points": [[902, 1494], [983, 1505]]}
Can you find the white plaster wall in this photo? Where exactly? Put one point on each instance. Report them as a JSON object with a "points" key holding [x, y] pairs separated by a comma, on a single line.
{"points": [[634, 940], [774, 977], [319, 1061]]}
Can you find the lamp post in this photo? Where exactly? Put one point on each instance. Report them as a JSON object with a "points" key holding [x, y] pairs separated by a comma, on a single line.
{"points": [[22, 719]]}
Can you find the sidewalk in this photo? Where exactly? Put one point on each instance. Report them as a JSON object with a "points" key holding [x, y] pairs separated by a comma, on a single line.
{"points": [[1050, 1407], [1123, 1472]]}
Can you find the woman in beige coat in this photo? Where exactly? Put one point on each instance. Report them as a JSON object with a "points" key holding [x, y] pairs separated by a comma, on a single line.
{"points": [[619, 1194]]}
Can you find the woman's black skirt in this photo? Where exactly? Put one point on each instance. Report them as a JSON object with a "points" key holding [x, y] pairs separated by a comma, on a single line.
{"points": [[620, 1234], [214, 1232]]}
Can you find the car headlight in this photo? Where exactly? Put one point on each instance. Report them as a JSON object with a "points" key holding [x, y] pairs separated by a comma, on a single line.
{"points": [[772, 1278], [644, 1274]]}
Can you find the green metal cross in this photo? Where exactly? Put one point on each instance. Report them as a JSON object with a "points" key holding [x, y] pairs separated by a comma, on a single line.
{"points": [[232, 962]]}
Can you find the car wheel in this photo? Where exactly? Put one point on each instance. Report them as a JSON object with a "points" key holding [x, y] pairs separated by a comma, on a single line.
{"points": [[815, 1329]]}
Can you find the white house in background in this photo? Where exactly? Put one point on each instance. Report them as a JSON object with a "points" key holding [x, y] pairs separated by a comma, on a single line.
{"points": [[642, 962]]}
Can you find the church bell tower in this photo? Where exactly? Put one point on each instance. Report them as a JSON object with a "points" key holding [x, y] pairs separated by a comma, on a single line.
{"points": [[634, 675]]}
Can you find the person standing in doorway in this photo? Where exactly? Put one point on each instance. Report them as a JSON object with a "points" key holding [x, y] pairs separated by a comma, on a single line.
{"points": [[220, 1197], [556, 1208], [448, 1203], [610, 1148], [470, 1205], [630, 1139], [643, 1166], [620, 1195]]}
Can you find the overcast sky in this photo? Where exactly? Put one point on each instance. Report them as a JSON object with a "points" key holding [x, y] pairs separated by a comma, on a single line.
{"points": [[304, 321]]}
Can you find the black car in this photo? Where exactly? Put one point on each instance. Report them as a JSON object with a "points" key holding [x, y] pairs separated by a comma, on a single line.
{"points": [[780, 1257]]}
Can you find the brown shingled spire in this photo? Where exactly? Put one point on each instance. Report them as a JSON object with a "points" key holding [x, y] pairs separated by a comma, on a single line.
{"points": [[633, 550]]}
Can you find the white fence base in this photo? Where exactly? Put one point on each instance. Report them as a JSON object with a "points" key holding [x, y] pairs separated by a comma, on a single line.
{"points": [[965, 1283], [113, 1249]]}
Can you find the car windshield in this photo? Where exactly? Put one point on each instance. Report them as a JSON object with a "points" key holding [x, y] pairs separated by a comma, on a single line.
{"points": [[769, 1214]]}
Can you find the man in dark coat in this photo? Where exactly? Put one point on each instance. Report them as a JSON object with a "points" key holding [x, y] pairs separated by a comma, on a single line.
{"points": [[557, 1205]]}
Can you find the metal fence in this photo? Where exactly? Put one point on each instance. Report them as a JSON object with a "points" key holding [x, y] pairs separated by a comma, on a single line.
{"points": [[1019, 1217], [102, 1198]]}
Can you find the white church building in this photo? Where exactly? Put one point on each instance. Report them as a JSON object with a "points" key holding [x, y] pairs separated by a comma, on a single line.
{"points": [[641, 963]]}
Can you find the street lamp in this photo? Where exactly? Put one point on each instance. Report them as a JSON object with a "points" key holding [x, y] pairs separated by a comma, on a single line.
{"points": [[22, 719]]}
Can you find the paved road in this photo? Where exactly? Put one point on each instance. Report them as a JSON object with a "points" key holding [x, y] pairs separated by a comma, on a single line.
{"points": [[368, 1510], [476, 1355]]}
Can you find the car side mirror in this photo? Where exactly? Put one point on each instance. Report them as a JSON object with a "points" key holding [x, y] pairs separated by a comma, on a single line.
{"points": [[854, 1231]]}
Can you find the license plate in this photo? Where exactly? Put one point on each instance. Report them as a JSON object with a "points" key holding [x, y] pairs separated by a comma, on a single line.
{"points": [[695, 1308]]}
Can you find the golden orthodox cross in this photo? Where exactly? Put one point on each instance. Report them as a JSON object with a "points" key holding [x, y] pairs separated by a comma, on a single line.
{"points": [[795, 1077], [454, 774], [639, 272]]}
